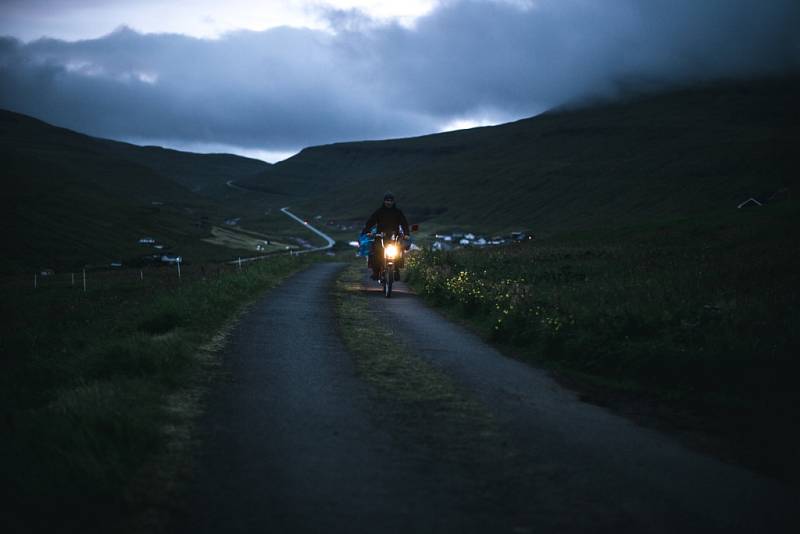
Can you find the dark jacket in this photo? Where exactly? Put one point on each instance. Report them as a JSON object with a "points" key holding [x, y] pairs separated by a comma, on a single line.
{"points": [[388, 220]]}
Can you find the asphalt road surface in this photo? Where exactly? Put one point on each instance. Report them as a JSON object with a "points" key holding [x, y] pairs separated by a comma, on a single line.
{"points": [[292, 443]]}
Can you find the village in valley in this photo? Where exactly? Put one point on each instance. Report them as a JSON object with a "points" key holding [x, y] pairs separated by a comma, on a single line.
{"points": [[468, 239]]}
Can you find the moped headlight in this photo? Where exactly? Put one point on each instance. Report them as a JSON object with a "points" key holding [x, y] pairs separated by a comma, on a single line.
{"points": [[391, 251]]}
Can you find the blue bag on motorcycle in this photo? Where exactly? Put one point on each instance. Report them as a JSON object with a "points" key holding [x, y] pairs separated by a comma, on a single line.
{"points": [[365, 242]]}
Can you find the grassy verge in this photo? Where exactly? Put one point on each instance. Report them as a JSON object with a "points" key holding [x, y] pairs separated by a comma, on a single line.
{"points": [[701, 314], [424, 406], [98, 391]]}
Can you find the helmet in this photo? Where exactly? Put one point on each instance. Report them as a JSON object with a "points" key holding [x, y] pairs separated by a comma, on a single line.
{"points": [[388, 196]]}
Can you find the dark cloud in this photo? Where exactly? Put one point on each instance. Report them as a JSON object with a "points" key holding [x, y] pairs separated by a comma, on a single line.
{"points": [[286, 88]]}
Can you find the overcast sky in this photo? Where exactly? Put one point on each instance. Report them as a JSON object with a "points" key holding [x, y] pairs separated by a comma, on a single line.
{"points": [[266, 78]]}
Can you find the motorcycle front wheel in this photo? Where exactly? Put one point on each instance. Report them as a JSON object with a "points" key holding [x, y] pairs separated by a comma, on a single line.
{"points": [[389, 280]]}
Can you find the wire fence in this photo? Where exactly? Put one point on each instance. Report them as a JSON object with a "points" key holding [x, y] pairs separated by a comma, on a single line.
{"points": [[146, 277], [151, 276]]}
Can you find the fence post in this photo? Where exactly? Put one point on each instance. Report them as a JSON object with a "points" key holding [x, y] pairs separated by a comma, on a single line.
{"points": [[141, 274], [179, 269], [84, 280], [35, 280], [240, 263], [73, 279]]}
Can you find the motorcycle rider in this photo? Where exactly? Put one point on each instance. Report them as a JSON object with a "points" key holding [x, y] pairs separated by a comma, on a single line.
{"points": [[388, 218]]}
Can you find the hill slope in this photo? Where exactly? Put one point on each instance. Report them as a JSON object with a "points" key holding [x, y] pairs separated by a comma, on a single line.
{"points": [[69, 199], [205, 174], [682, 152]]}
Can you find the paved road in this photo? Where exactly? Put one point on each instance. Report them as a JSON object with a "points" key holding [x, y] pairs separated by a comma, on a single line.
{"points": [[290, 444], [329, 241], [232, 185], [293, 444]]}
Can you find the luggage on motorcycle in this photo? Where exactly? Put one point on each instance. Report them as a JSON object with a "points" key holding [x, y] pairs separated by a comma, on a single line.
{"points": [[365, 242]]}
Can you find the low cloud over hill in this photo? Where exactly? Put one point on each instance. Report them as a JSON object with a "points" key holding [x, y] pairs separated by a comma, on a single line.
{"points": [[285, 88]]}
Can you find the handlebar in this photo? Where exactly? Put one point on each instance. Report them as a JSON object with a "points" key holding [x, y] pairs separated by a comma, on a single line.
{"points": [[383, 234]]}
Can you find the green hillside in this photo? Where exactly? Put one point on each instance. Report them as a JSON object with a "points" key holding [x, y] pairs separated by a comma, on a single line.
{"points": [[677, 153], [70, 199]]}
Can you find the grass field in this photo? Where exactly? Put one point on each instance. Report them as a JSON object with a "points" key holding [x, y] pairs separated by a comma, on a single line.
{"points": [[99, 389], [701, 313], [240, 239]]}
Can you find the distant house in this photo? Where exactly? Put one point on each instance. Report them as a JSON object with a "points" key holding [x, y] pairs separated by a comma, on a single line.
{"points": [[47, 272], [469, 236], [522, 236], [116, 265], [171, 258], [749, 202], [146, 241], [464, 241]]}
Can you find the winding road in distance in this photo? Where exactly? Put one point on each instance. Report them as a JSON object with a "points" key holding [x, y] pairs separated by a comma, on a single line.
{"points": [[294, 441], [329, 241]]}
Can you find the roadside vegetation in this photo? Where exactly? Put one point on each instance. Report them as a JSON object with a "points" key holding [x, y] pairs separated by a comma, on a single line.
{"points": [[99, 389], [703, 314]]}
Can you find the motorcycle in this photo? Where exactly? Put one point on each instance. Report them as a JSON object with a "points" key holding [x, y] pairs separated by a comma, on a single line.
{"points": [[393, 247]]}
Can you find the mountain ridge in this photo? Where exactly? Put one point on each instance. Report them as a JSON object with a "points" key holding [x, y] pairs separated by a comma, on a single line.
{"points": [[665, 154]]}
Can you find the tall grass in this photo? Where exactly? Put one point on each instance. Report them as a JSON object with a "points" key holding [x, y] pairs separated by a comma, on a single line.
{"points": [[706, 309], [86, 382]]}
